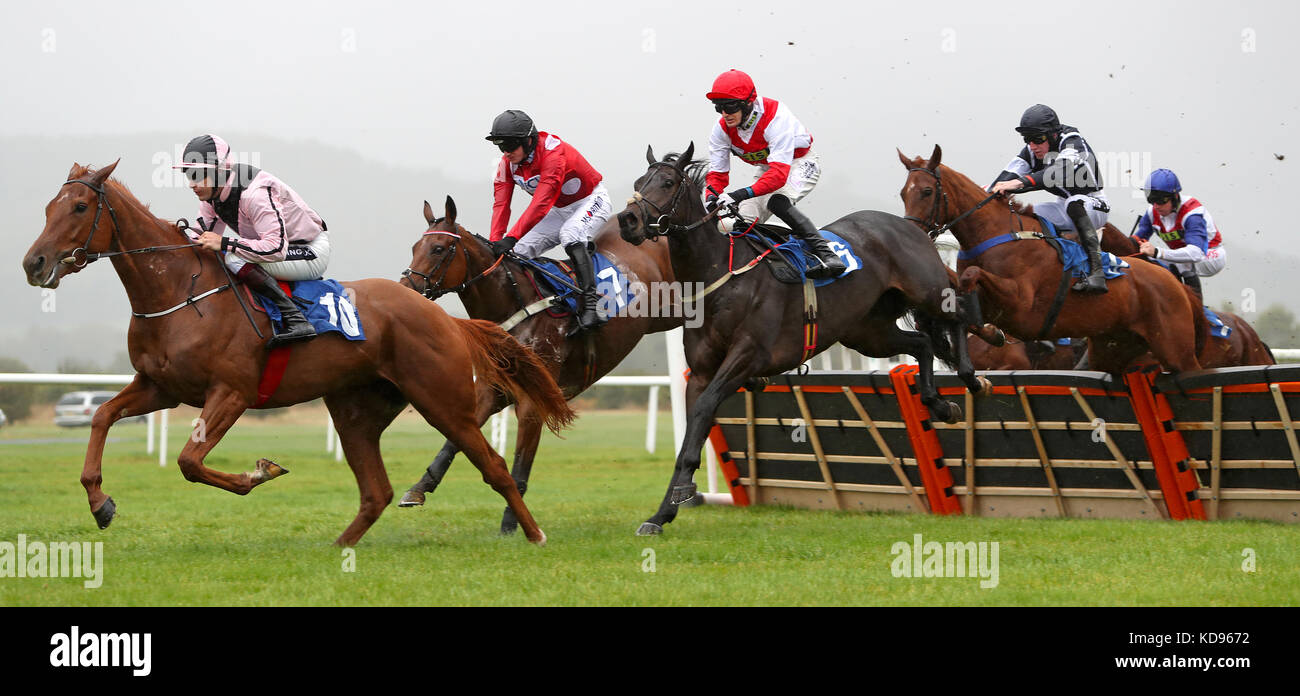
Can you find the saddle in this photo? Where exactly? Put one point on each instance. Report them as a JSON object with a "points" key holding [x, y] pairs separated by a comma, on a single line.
{"points": [[776, 243]]}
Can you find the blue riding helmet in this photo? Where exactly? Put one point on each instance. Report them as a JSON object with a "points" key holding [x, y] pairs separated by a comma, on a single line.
{"points": [[1163, 180]]}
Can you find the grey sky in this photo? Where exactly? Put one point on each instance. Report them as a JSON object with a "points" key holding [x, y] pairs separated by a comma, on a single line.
{"points": [[1207, 88]]}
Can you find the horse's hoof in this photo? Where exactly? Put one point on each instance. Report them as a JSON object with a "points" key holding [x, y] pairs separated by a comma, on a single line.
{"points": [[267, 470], [412, 498], [542, 541], [682, 494], [954, 413], [105, 514], [986, 387], [996, 338], [649, 529]]}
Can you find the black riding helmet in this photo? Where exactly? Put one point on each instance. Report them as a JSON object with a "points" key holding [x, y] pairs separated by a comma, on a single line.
{"points": [[512, 128], [1039, 119]]}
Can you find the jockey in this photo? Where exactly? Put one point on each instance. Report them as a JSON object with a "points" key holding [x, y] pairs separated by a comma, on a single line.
{"points": [[766, 134], [1194, 246], [569, 203], [266, 231], [1058, 160]]}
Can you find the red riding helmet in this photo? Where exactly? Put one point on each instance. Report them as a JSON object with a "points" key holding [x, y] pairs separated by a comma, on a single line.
{"points": [[733, 84]]}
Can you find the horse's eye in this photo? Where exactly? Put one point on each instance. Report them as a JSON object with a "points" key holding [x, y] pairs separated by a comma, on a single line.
{"points": [[435, 250], [81, 207], [926, 192]]}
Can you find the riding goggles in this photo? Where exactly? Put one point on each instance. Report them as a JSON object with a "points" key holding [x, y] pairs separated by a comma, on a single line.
{"points": [[1159, 197], [728, 106], [508, 144], [1035, 139]]}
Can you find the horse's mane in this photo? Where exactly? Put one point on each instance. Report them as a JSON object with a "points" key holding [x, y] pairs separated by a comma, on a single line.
{"points": [[80, 172], [696, 170]]}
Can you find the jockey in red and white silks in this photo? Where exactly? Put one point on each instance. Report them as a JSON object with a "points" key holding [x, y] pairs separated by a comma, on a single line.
{"points": [[765, 133]]}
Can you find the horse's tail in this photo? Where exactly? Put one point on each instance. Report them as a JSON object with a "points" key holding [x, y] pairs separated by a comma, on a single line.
{"points": [[511, 367]]}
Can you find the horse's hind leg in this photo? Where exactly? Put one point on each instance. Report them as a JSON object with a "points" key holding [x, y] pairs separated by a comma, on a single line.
{"points": [[530, 433], [883, 338], [490, 402], [444, 406], [361, 415]]}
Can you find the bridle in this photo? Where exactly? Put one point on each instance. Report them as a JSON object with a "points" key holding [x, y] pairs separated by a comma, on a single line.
{"points": [[432, 287], [663, 224], [932, 226], [82, 255]]}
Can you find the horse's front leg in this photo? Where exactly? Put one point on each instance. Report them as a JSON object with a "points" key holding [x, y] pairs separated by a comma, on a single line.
{"points": [[139, 397], [1005, 295], [704, 396], [221, 408]]}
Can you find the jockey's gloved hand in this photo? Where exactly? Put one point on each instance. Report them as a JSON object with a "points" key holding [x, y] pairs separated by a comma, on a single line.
{"points": [[731, 200], [501, 246]]}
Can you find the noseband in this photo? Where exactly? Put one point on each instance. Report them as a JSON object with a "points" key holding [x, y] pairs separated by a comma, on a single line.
{"points": [[663, 224], [432, 288]]}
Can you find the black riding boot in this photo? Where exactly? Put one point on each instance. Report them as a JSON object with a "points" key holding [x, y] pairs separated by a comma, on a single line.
{"points": [[1190, 278], [589, 318], [1096, 280], [803, 228], [296, 327]]}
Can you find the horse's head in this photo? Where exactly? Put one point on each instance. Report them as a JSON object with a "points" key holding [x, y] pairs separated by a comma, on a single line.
{"points": [[440, 258], [666, 199], [74, 221], [924, 199]]}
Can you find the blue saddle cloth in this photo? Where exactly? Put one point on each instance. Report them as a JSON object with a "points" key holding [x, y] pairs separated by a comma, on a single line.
{"points": [[801, 257], [1076, 257], [611, 283], [325, 304], [1217, 327]]}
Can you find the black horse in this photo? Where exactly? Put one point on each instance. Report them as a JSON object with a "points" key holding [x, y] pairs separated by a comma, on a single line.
{"points": [[755, 326]]}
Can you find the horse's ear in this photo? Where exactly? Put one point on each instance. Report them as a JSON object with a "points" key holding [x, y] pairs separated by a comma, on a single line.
{"points": [[428, 213], [935, 158], [450, 209], [650, 154], [75, 171], [101, 175], [903, 158], [685, 158]]}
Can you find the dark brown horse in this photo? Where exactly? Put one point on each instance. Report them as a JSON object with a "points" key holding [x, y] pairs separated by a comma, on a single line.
{"points": [[754, 325], [208, 355], [447, 258], [1018, 281]]}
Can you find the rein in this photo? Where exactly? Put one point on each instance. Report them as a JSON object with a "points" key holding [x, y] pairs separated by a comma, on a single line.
{"points": [[932, 226], [432, 288], [82, 255]]}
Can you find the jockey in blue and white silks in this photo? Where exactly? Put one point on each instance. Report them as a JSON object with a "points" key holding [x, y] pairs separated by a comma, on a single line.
{"points": [[1193, 245]]}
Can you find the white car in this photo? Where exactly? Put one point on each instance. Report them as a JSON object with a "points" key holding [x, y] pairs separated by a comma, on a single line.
{"points": [[77, 408]]}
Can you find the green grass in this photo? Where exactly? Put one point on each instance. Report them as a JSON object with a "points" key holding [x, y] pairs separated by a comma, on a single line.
{"points": [[177, 543]]}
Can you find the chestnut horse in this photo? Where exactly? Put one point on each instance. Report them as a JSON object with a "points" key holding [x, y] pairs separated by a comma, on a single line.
{"points": [[1242, 347], [755, 325], [1146, 309], [207, 354], [448, 258]]}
